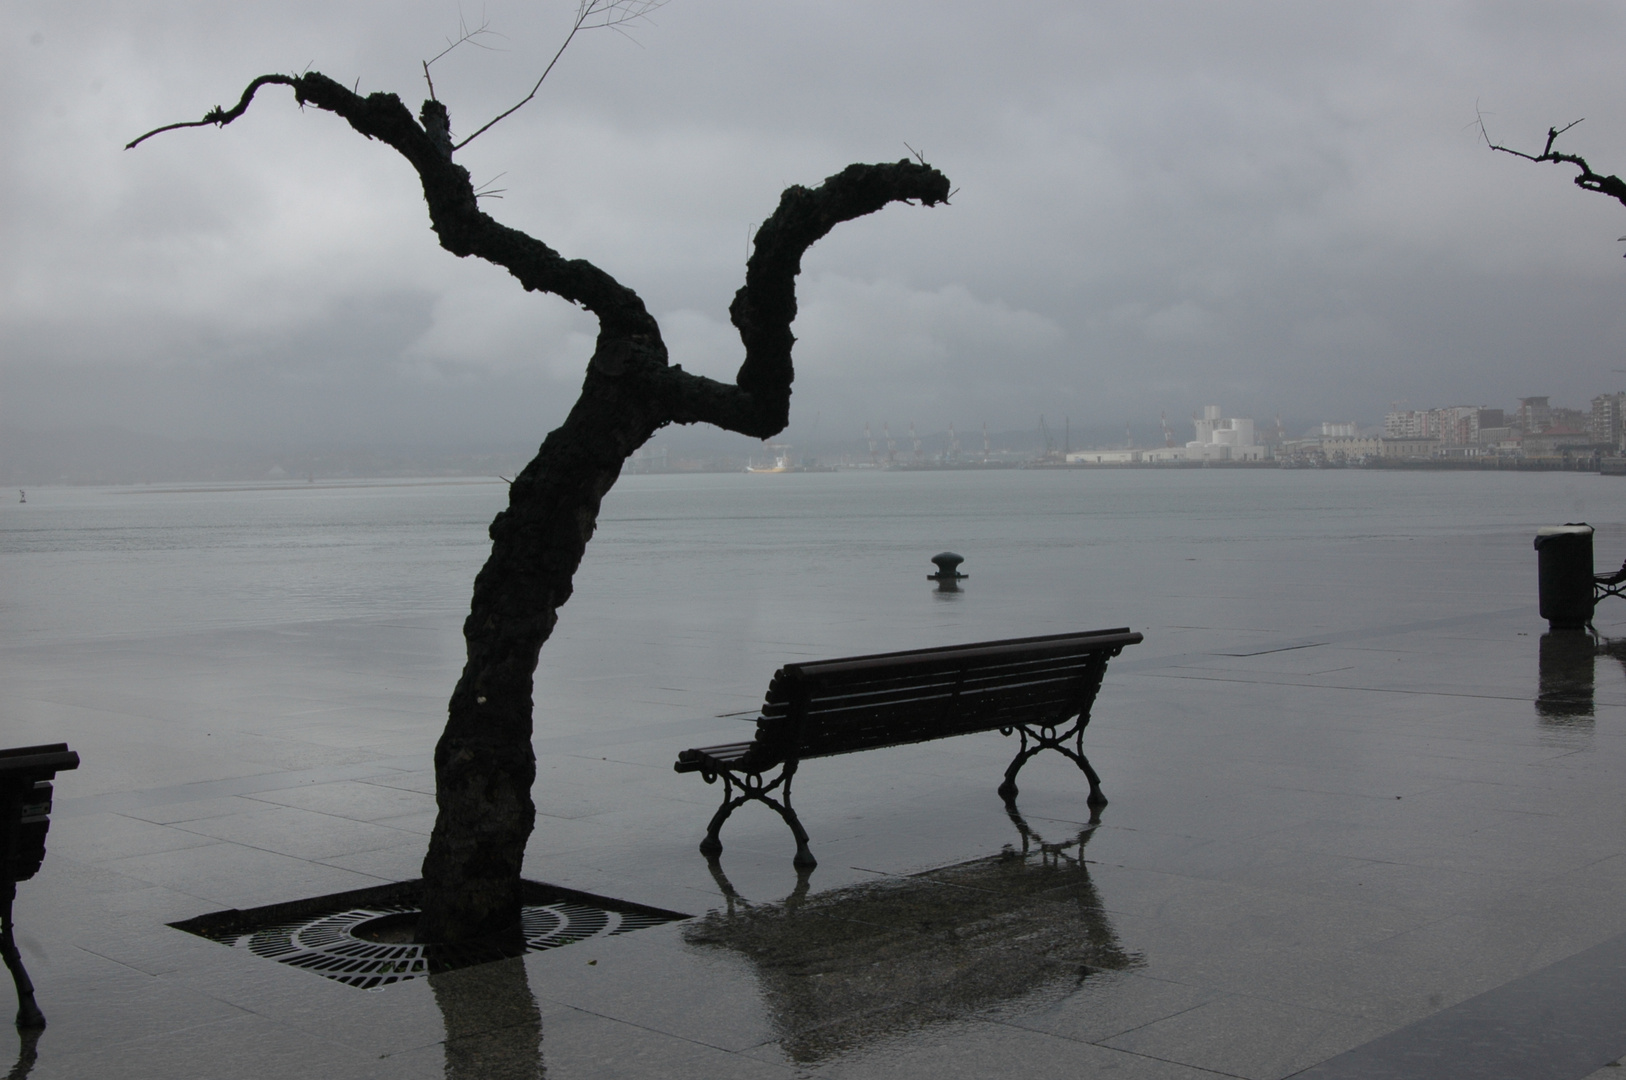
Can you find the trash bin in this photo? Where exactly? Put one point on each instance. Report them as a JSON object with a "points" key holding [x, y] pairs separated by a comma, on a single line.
{"points": [[1564, 553]]}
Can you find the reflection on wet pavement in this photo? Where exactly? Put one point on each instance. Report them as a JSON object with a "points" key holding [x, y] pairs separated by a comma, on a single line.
{"points": [[1565, 690], [27, 1053], [844, 968], [493, 1026]]}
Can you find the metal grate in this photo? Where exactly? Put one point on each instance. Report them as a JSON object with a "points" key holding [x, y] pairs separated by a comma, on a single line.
{"points": [[352, 943]]}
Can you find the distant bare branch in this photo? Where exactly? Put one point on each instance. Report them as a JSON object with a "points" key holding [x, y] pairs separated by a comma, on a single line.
{"points": [[1587, 180], [590, 15]]}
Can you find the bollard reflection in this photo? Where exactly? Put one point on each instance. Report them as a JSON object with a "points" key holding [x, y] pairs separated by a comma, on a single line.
{"points": [[1564, 694], [845, 968], [493, 1025]]}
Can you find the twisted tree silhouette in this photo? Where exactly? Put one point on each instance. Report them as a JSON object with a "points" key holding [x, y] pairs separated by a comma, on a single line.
{"points": [[484, 764]]}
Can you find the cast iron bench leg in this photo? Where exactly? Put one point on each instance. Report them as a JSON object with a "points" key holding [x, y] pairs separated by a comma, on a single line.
{"points": [[1051, 741], [753, 789], [29, 1016]]}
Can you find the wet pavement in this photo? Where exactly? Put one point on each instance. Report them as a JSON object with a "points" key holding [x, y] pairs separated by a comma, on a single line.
{"points": [[1322, 838]]}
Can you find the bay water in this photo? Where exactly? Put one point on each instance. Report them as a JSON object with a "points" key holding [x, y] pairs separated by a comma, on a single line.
{"points": [[704, 583]]}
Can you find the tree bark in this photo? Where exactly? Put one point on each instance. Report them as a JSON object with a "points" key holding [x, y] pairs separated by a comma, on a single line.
{"points": [[484, 763]]}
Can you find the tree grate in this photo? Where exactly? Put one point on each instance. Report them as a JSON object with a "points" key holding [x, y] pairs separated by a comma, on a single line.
{"points": [[331, 938]]}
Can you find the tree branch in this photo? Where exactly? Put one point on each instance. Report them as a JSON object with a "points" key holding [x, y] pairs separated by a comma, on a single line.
{"points": [[1587, 180], [630, 340], [216, 115]]}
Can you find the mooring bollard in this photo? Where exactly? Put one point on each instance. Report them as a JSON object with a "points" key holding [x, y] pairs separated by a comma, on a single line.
{"points": [[948, 572], [25, 815], [1564, 556]]}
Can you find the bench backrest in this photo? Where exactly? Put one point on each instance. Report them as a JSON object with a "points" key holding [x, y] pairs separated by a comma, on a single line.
{"points": [[890, 699]]}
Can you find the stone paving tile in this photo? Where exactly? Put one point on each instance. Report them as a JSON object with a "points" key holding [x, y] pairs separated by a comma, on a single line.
{"points": [[360, 800], [1228, 1035], [243, 1045], [975, 1049], [232, 875], [291, 831]]}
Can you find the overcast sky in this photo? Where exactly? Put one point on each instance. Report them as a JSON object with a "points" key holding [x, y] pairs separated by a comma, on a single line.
{"points": [[1275, 207]]}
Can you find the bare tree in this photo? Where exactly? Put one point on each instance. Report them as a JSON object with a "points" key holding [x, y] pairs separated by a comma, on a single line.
{"points": [[1586, 179], [484, 764]]}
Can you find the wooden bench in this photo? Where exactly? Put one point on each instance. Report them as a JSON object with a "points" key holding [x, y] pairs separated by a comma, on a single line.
{"points": [[1033, 686]]}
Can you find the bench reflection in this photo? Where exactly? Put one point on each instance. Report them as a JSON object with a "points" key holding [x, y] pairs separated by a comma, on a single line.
{"points": [[847, 967]]}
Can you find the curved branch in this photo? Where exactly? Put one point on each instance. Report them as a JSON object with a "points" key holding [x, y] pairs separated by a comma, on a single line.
{"points": [[765, 306], [454, 212], [216, 115]]}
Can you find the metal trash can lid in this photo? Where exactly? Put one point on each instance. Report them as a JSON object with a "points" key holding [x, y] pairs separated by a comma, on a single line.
{"points": [[1552, 533]]}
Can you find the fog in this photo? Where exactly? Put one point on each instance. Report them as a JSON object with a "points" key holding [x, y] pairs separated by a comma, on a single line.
{"points": [[1277, 207]]}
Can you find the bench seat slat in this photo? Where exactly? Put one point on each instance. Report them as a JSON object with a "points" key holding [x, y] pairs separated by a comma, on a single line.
{"points": [[1053, 644], [836, 713], [952, 682], [706, 758], [961, 697], [823, 682]]}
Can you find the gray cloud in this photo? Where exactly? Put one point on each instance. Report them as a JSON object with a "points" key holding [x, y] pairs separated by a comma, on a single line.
{"points": [[1278, 206]]}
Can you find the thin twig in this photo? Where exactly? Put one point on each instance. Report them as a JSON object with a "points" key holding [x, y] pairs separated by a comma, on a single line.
{"points": [[464, 36], [611, 13]]}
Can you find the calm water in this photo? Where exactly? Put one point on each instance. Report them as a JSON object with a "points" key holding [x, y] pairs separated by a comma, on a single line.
{"points": [[822, 563]]}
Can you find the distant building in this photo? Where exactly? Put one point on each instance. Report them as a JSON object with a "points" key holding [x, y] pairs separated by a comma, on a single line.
{"points": [[1340, 430], [1535, 415], [1503, 441], [1605, 423], [1406, 424], [1223, 438], [1454, 425], [1409, 447], [1351, 449], [1103, 457], [1558, 442]]}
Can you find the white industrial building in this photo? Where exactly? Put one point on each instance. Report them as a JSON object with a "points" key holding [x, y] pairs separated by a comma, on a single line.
{"points": [[1103, 457], [1218, 439]]}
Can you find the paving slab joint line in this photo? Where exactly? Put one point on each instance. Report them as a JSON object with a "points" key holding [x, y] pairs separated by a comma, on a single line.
{"points": [[1561, 1022], [634, 1024]]}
